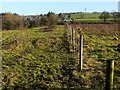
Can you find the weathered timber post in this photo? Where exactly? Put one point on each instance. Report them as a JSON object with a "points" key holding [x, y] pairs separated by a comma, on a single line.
{"points": [[70, 37], [74, 41], [109, 74], [68, 34], [77, 47], [81, 53]]}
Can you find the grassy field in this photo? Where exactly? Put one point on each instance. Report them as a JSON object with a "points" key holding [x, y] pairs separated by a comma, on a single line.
{"points": [[100, 41], [35, 60], [89, 18], [85, 15]]}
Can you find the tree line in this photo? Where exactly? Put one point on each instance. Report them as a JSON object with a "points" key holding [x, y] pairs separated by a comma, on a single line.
{"points": [[106, 15], [12, 21]]}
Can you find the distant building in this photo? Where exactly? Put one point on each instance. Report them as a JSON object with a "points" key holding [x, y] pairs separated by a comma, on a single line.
{"points": [[67, 20]]}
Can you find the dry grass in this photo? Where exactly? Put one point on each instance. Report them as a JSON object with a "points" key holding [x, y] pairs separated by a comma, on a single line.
{"points": [[98, 28]]}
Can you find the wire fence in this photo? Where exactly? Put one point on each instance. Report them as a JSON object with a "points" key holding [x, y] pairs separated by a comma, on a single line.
{"points": [[75, 40]]}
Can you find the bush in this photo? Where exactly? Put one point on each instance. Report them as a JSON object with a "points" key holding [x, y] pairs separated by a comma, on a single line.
{"points": [[13, 21], [52, 20]]}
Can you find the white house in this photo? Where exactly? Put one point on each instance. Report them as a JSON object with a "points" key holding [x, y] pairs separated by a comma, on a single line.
{"points": [[67, 20]]}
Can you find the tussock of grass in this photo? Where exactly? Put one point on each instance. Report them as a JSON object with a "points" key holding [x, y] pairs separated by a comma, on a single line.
{"points": [[41, 60]]}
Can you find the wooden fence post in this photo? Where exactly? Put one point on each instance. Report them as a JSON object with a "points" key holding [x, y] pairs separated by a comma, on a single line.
{"points": [[74, 41], [68, 34], [70, 38], [109, 74], [81, 53], [78, 47]]}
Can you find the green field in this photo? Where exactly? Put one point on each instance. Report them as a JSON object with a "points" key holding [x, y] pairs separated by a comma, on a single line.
{"points": [[34, 60], [89, 18], [85, 15]]}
